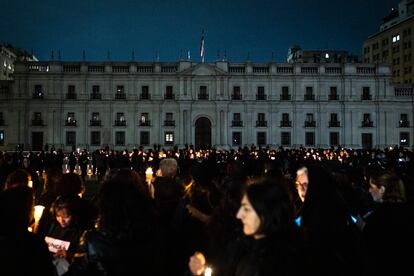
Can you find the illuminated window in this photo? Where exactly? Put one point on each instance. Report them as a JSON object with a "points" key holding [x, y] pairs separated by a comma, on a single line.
{"points": [[120, 89], [237, 138], [395, 38], [169, 138], [404, 138]]}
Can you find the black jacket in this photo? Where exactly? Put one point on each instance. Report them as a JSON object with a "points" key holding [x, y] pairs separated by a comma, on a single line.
{"points": [[264, 257], [24, 254], [101, 253]]}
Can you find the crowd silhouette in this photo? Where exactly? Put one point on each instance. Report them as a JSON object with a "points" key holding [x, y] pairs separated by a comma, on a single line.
{"points": [[251, 211]]}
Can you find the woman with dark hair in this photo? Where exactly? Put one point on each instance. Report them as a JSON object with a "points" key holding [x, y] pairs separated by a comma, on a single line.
{"points": [[125, 240], [69, 184], [19, 177], [64, 231], [389, 228], [269, 244]]}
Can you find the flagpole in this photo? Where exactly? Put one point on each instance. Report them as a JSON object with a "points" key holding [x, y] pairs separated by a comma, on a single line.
{"points": [[202, 46]]}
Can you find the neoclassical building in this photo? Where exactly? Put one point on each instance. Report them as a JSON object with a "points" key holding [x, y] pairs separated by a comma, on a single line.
{"points": [[128, 104]]}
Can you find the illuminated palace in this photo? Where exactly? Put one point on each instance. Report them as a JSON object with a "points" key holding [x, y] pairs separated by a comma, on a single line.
{"points": [[130, 104]]}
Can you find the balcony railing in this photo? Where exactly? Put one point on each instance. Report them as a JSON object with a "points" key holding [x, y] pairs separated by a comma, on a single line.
{"points": [[285, 97], [202, 96], [70, 96], [310, 124], [95, 122], [120, 123], [236, 123], [37, 122], [169, 96], [285, 123], [169, 123], [367, 124], [236, 97], [334, 124], [366, 97], [120, 96], [70, 123], [333, 97], [145, 97], [145, 123], [261, 123], [404, 123], [261, 97], [309, 97], [96, 96]]}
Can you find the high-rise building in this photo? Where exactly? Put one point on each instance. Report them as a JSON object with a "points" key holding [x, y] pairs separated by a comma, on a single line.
{"points": [[394, 43], [8, 55]]}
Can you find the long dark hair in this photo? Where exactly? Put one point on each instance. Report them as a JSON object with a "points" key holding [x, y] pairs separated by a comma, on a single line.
{"points": [[69, 202], [271, 202], [125, 209]]}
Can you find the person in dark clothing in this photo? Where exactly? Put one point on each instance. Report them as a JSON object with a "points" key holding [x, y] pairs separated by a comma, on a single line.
{"points": [[125, 241], [65, 226], [269, 244], [333, 243], [389, 227], [17, 178], [167, 195], [22, 252], [69, 184]]}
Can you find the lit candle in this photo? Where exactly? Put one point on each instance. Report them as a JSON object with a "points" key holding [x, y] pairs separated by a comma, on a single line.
{"points": [[148, 175], [208, 271], [38, 211]]}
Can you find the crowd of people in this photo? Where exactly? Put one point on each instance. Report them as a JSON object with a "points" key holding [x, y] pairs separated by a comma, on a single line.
{"points": [[251, 211]]}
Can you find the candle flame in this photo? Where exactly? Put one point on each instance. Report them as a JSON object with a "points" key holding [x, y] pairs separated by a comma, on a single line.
{"points": [[149, 171]]}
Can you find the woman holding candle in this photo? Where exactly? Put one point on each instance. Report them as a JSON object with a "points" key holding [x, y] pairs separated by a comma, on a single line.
{"points": [[269, 244], [125, 241]]}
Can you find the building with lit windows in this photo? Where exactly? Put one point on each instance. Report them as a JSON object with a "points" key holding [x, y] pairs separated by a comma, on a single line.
{"points": [[130, 104], [394, 43]]}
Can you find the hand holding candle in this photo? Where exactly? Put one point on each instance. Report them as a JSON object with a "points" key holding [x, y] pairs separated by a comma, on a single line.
{"points": [[197, 264]]}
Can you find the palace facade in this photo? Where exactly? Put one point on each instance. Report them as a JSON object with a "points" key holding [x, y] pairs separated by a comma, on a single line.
{"points": [[130, 104]]}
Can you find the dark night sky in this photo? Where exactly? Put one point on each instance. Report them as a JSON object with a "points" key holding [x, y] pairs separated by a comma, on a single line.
{"points": [[173, 26]]}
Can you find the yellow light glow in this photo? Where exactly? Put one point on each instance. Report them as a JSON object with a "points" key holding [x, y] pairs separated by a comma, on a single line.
{"points": [[208, 271], [38, 211], [148, 175]]}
